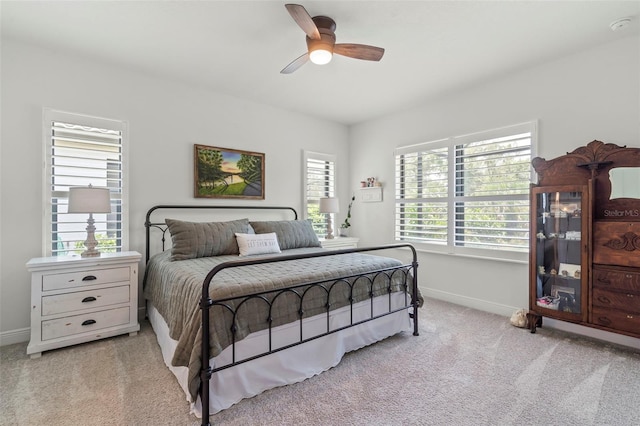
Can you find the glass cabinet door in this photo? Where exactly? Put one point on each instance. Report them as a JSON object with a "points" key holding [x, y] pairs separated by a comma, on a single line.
{"points": [[559, 256]]}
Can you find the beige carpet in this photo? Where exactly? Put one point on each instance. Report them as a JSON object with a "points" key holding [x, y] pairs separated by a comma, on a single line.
{"points": [[466, 368]]}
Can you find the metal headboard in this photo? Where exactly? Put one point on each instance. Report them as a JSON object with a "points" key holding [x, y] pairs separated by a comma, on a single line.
{"points": [[162, 226]]}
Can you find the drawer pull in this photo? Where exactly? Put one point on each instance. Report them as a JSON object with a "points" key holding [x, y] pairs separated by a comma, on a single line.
{"points": [[89, 299], [630, 295], [604, 300], [604, 320], [89, 278], [89, 322], [629, 316]]}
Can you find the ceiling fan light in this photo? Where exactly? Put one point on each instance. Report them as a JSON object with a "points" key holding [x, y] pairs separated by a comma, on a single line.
{"points": [[320, 56]]}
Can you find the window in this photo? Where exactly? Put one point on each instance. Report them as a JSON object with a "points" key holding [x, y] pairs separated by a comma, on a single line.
{"points": [[319, 182], [82, 150], [466, 192]]}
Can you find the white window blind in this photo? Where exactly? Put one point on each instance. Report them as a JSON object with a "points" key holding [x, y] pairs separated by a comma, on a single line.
{"points": [[83, 150], [421, 193], [466, 192], [320, 182]]}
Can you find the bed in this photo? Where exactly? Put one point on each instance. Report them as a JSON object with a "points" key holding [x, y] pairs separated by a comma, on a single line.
{"points": [[256, 297]]}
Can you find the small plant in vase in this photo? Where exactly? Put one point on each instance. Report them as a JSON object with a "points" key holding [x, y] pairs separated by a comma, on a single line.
{"points": [[344, 228]]}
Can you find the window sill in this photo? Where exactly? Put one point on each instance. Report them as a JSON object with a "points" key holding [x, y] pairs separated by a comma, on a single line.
{"points": [[510, 257]]}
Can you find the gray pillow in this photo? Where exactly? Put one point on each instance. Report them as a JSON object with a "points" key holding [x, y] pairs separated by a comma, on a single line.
{"points": [[204, 239], [291, 233]]}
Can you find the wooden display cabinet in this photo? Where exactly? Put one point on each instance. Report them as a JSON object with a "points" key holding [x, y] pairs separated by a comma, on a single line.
{"points": [[585, 239]]}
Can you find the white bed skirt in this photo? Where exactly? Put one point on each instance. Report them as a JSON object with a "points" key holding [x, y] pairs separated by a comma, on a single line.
{"points": [[295, 364]]}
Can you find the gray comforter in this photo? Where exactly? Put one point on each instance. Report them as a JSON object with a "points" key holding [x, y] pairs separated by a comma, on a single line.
{"points": [[175, 287]]}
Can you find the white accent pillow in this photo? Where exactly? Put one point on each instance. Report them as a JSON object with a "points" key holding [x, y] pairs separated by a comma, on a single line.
{"points": [[250, 244]]}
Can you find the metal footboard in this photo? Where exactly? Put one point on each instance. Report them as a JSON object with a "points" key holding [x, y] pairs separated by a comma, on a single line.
{"points": [[409, 282]]}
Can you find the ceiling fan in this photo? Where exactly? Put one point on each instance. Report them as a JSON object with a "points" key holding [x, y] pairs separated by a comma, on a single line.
{"points": [[321, 41]]}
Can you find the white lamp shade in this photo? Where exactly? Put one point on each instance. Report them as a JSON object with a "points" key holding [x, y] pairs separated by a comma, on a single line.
{"points": [[329, 205], [87, 199]]}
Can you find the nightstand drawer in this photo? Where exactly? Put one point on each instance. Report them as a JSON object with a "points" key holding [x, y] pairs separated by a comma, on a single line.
{"points": [[86, 277], [67, 326], [78, 300]]}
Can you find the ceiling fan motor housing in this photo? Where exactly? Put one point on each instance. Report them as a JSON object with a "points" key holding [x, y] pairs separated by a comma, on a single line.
{"points": [[324, 22], [326, 42], [326, 27]]}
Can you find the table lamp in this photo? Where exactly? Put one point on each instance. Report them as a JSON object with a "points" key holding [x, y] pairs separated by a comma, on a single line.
{"points": [[87, 199], [329, 205]]}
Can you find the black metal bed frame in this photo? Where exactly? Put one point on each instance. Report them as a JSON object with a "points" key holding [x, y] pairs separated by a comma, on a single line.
{"points": [[409, 272]]}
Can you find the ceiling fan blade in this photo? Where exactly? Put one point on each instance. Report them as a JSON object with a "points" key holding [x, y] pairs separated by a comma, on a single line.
{"points": [[297, 63], [359, 51], [303, 19]]}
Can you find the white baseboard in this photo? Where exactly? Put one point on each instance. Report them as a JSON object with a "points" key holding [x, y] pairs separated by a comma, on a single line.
{"points": [[470, 302], [504, 310], [15, 336]]}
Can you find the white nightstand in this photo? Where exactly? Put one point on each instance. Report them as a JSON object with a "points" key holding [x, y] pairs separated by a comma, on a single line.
{"points": [[339, 243], [76, 300]]}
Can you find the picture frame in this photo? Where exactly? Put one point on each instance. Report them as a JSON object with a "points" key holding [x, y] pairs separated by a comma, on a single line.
{"points": [[557, 291], [228, 173], [567, 298], [569, 270]]}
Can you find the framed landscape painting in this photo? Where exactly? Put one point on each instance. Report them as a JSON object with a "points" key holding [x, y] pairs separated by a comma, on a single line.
{"points": [[228, 173]]}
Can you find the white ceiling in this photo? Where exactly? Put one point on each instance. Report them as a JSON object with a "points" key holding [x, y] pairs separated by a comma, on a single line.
{"points": [[239, 47]]}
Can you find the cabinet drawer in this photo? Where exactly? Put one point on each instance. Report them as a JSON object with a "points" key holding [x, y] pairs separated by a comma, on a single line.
{"points": [[78, 300], [86, 277], [622, 280], [616, 319], [617, 243], [627, 302], [68, 326]]}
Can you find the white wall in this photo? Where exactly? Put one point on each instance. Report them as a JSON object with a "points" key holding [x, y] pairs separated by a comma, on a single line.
{"points": [[165, 119], [589, 95]]}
